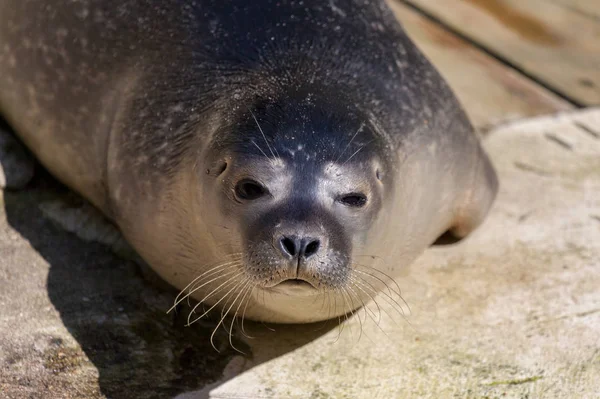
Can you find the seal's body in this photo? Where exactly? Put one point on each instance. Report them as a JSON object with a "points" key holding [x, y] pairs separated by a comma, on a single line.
{"points": [[247, 148]]}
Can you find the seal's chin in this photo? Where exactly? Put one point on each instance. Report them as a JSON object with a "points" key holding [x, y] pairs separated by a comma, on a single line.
{"points": [[294, 287]]}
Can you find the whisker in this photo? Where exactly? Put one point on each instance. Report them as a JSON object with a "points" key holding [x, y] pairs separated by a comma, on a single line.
{"points": [[366, 308], [387, 276], [377, 323], [343, 324], [261, 150], [385, 294], [264, 136], [356, 152], [245, 290], [397, 292], [323, 302], [328, 298], [248, 288], [391, 301], [226, 283], [350, 142], [372, 299], [244, 314], [329, 305], [211, 270], [224, 306], [200, 286], [340, 323], [225, 315], [180, 299], [355, 312], [222, 272], [390, 278], [367, 286]]}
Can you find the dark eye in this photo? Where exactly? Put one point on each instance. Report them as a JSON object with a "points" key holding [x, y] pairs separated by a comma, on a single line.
{"points": [[354, 200], [249, 190]]}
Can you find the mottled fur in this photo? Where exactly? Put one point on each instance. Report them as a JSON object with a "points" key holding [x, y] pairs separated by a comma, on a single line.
{"points": [[156, 111]]}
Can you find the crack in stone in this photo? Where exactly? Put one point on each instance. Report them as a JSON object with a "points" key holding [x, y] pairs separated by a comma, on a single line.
{"points": [[587, 130], [559, 141], [531, 169]]}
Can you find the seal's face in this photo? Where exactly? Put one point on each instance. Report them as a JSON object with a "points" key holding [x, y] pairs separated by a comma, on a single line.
{"points": [[301, 199]]}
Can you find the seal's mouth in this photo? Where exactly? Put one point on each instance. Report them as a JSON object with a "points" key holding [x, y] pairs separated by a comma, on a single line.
{"points": [[296, 282], [295, 287]]}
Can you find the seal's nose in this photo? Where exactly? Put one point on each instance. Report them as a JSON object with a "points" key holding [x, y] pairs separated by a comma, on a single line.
{"points": [[299, 247]]}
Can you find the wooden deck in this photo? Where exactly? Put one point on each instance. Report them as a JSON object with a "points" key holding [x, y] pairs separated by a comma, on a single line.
{"points": [[508, 59]]}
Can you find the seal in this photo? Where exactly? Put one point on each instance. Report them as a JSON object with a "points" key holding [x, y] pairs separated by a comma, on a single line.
{"points": [[277, 160]]}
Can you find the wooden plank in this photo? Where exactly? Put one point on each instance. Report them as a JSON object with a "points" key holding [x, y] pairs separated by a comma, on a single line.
{"points": [[591, 8], [556, 44], [489, 91]]}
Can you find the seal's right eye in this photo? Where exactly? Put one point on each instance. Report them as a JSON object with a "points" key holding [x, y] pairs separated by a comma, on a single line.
{"points": [[353, 200], [249, 190]]}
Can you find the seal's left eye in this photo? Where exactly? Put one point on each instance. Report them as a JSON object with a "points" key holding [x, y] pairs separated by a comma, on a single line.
{"points": [[354, 200], [248, 190]]}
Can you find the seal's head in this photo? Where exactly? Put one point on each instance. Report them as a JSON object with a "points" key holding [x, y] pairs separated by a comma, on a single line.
{"points": [[295, 187]]}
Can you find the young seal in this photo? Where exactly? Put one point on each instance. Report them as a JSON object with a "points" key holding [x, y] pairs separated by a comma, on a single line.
{"points": [[274, 159]]}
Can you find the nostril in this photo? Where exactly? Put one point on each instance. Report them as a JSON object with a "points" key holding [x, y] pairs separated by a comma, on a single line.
{"points": [[311, 248], [296, 247], [289, 246]]}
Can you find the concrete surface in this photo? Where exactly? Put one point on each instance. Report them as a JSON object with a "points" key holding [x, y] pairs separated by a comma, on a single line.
{"points": [[512, 312]]}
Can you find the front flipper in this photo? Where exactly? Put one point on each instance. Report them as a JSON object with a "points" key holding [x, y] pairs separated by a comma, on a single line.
{"points": [[477, 198], [16, 164]]}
